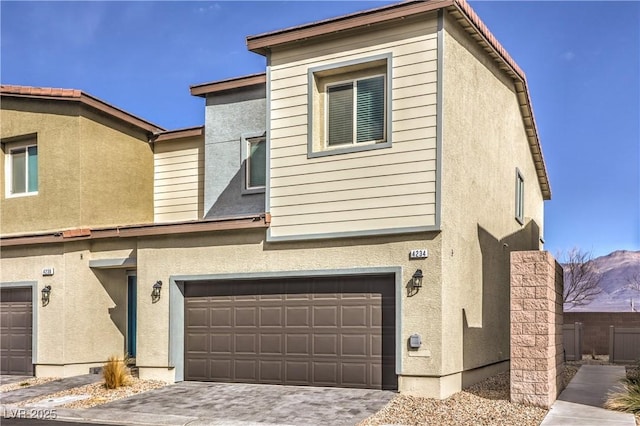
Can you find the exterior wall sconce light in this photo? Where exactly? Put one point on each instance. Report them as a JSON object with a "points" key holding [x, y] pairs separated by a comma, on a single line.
{"points": [[417, 278], [46, 292], [155, 293]]}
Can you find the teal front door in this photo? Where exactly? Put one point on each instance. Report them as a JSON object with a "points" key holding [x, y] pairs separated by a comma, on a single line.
{"points": [[131, 315]]}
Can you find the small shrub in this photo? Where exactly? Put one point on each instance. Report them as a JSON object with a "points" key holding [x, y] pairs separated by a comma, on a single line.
{"points": [[23, 384], [628, 400], [115, 372]]}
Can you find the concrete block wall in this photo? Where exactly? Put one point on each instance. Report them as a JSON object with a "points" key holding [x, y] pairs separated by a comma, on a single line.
{"points": [[536, 328]]}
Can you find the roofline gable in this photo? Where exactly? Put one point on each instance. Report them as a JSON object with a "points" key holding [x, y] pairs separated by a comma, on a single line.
{"points": [[75, 95]]}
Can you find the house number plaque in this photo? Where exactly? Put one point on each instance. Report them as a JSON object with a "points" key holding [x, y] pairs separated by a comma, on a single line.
{"points": [[418, 254]]}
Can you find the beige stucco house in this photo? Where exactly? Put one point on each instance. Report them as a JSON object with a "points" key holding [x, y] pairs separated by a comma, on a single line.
{"points": [[344, 219]]}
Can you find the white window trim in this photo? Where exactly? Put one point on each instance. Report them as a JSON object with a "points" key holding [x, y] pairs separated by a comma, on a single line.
{"points": [[244, 153], [8, 167], [519, 204], [354, 136]]}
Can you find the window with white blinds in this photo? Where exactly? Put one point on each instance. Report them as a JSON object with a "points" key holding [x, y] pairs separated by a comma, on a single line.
{"points": [[356, 111]]}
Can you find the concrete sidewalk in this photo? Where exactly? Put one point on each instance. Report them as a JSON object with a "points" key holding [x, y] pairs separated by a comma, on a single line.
{"points": [[582, 401]]}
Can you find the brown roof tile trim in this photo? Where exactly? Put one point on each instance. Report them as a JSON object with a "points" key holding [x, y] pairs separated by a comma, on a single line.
{"points": [[228, 84], [152, 229], [260, 43], [171, 135], [78, 96]]}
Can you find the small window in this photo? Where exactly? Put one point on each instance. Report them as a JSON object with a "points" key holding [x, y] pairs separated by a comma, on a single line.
{"points": [[356, 111], [256, 162], [349, 105], [21, 169], [519, 197]]}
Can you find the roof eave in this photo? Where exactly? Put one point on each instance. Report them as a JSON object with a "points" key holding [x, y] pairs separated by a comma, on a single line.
{"points": [[143, 230], [235, 83], [96, 104]]}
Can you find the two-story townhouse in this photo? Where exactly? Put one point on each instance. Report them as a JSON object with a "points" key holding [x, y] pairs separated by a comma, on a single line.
{"points": [[70, 163], [345, 218], [402, 166]]}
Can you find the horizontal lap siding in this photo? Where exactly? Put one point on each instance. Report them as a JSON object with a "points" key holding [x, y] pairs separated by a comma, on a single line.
{"points": [[365, 191], [178, 172]]}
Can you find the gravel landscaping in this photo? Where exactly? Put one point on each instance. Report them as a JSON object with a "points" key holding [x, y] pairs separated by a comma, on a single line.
{"points": [[98, 394], [485, 403]]}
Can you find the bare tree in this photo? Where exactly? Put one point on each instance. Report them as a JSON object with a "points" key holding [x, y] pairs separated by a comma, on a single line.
{"points": [[581, 278], [633, 282]]}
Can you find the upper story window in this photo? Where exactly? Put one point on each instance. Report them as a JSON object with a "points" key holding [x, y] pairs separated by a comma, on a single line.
{"points": [[355, 111], [254, 157], [21, 168], [519, 197], [349, 106]]}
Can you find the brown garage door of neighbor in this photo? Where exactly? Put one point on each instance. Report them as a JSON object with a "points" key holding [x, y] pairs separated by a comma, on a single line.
{"points": [[327, 331], [15, 331]]}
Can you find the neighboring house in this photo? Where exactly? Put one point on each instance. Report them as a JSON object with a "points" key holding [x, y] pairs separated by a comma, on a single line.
{"points": [[70, 163], [345, 220]]}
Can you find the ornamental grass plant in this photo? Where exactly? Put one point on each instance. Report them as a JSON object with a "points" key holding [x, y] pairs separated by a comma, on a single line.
{"points": [[115, 372]]}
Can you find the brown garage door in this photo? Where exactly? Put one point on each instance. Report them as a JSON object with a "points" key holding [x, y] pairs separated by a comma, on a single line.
{"points": [[15, 331], [329, 331]]}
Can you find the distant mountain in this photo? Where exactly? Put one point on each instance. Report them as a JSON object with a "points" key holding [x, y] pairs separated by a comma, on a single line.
{"points": [[616, 269]]}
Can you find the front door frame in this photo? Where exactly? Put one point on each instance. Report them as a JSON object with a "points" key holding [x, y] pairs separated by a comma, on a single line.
{"points": [[132, 314]]}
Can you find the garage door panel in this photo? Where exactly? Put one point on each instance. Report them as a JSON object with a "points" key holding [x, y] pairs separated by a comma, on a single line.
{"points": [[16, 331], [221, 343], [197, 342], [297, 372], [198, 368], [197, 317], [324, 331], [298, 316], [246, 344], [245, 370], [356, 345], [221, 317], [271, 316], [325, 373], [271, 371], [376, 346], [355, 316], [354, 374], [325, 344], [298, 344], [375, 373], [325, 316], [271, 344], [246, 317], [220, 370]]}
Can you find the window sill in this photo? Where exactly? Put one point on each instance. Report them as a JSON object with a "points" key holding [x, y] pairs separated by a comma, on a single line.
{"points": [[349, 149], [21, 195], [252, 191]]}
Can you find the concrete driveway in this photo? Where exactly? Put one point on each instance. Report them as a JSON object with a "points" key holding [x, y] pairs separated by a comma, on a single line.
{"points": [[196, 403]]}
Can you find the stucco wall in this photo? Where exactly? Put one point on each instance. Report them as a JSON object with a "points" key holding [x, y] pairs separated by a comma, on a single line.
{"points": [[228, 118], [85, 321], [92, 171], [245, 252], [484, 141]]}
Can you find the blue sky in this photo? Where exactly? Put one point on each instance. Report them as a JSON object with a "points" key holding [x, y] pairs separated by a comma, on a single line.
{"points": [[582, 61]]}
